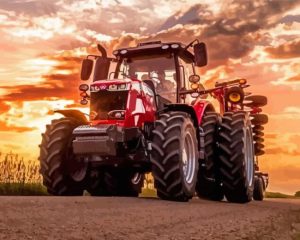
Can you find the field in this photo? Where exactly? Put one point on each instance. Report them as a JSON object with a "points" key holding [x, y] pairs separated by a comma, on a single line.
{"points": [[21, 177]]}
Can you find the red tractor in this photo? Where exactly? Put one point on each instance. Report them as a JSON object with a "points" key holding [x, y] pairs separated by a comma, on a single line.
{"points": [[149, 113]]}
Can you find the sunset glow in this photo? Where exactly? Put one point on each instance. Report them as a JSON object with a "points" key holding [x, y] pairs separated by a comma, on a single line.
{"points": [[43, 42]]}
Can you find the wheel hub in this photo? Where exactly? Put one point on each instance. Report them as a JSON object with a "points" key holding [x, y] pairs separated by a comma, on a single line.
{"points": [[78, 170]]}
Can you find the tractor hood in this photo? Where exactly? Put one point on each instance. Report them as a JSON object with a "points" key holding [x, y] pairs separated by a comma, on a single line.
{"points": [[121, 102]]}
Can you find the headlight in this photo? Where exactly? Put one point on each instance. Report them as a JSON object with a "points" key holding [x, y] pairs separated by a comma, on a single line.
{"points": [[234, 95], [83, 94], [122, 87], [175, 46], [194, 86], [116, 114], [84, 101], [242, 81]]}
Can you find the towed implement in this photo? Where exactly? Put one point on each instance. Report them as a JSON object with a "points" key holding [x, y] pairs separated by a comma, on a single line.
{"points": [[149, 113]]}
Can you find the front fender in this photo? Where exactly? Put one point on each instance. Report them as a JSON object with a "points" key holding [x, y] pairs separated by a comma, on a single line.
{"points": [[73, 113]]}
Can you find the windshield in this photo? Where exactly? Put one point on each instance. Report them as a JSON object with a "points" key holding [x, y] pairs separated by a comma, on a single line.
{"points": [[160, 69]]}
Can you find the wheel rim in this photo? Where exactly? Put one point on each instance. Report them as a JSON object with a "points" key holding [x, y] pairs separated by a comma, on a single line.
{"points": [[188, 158], [136, 178], [249, 158], [77, 168]]}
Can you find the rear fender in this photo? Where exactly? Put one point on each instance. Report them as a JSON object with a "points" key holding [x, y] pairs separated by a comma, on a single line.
{"points": [[200, 107], [184, 108], [76, 114], [196, 112]]}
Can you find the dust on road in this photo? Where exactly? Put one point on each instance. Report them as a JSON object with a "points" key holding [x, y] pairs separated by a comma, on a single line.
{"points": [[140, 218]]}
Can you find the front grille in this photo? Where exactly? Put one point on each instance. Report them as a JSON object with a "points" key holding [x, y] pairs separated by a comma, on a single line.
{"points": [[91, 130], [104, 101]]}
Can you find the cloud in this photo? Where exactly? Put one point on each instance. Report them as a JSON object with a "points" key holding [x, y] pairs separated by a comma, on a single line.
{"points": [[292, 110], [61, 81], [197, 14], [284, 144], [294, 79], [271, 135], [288, 19], [282, 150], [286, 50], [4, 107], [290, 74], [33, 7], [4, 127]]}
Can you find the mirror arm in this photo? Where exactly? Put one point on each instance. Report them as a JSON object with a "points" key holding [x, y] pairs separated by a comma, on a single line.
{"points": [[191, 44]]}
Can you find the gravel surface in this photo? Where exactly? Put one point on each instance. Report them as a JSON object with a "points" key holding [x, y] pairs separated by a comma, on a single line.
{"points": [[146, 218]]}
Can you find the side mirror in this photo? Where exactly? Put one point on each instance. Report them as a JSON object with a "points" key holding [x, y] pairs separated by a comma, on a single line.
{"points": [[200, 54], [86, 69], [101, 68]]}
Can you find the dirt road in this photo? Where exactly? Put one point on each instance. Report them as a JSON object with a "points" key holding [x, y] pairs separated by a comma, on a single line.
{"points": [[129, 218]]}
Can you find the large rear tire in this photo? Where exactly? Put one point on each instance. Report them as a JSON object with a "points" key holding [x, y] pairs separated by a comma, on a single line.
{"points": [[237, 157], [58, 165], [208, 182], [174, 156]]}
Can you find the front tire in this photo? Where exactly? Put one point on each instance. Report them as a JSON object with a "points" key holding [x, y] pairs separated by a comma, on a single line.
{"points": [[174, 156], [58, 165], [237, 157]]}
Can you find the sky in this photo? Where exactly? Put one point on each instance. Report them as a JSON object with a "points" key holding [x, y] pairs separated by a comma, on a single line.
{"points": [[43, 42]]}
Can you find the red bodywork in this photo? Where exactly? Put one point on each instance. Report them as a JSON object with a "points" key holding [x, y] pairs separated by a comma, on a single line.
{"points": [[199, 106], [140, 107]]}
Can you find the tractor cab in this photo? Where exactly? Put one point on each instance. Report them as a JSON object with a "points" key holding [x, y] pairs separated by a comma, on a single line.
{"points": [[166, 68]]}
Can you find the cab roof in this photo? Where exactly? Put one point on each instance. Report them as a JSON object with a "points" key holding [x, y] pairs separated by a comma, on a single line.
{"points": [[155, 48]]}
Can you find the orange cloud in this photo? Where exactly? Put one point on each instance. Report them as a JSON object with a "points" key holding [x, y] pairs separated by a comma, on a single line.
{"points": [[4, 107], [286, 50], [295, 78], [12, 128]]}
